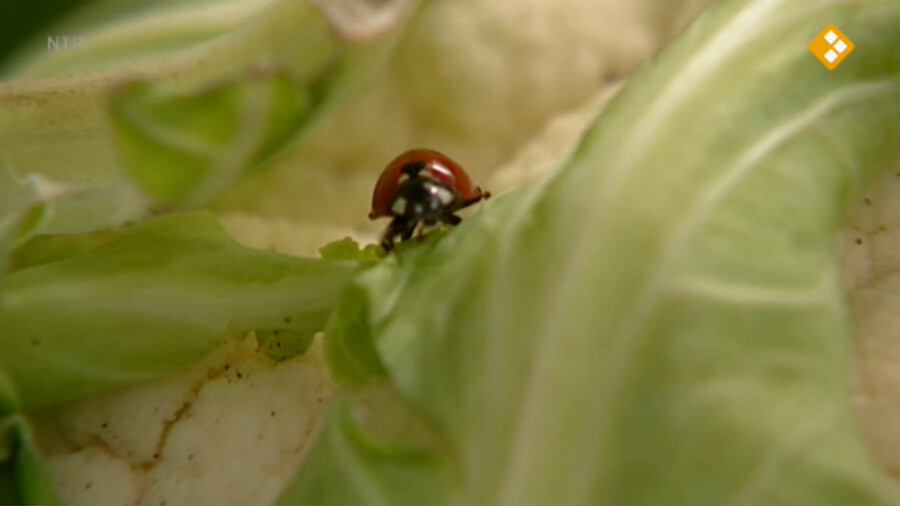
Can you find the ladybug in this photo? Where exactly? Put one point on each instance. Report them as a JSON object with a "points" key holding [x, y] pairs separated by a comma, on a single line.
{"points": [[421, 187]]}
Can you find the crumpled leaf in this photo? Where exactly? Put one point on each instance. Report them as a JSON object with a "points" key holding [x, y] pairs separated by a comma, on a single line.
{"points": [[666, 310], [348, 249], [158, 298]]}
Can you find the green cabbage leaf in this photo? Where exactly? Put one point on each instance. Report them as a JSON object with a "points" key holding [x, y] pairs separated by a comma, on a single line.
{"points": [[159, 297]]}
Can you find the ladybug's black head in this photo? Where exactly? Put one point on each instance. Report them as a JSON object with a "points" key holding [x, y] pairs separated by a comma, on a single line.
{"points": [[423, 199]]}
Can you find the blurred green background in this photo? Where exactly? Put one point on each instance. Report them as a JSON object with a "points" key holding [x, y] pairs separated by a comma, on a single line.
{"points": [[19, 21]]}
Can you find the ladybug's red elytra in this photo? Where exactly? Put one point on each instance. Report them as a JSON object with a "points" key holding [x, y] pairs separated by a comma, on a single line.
{"points": [[421, 187]]}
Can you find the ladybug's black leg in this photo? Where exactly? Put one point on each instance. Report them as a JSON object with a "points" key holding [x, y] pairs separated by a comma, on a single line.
{"points": [[409, 230], [452, 219], [387, 242], [404, 226]]}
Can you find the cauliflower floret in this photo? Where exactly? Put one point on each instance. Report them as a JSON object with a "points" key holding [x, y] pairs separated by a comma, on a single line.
{"points": [[477, 79], [257, 418]]}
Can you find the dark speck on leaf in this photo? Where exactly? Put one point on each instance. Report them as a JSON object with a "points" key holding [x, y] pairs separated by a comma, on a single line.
{"points": [[191, 457], [868, 201], [287, 320], [239, 375], [105, 425], [156, 456], [88, 485], [35, 342], [273, 414], [227, 366], [859, 241]]}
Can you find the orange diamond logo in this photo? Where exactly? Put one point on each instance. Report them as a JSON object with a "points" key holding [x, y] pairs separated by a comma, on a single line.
{"points": [[831, 47]]}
